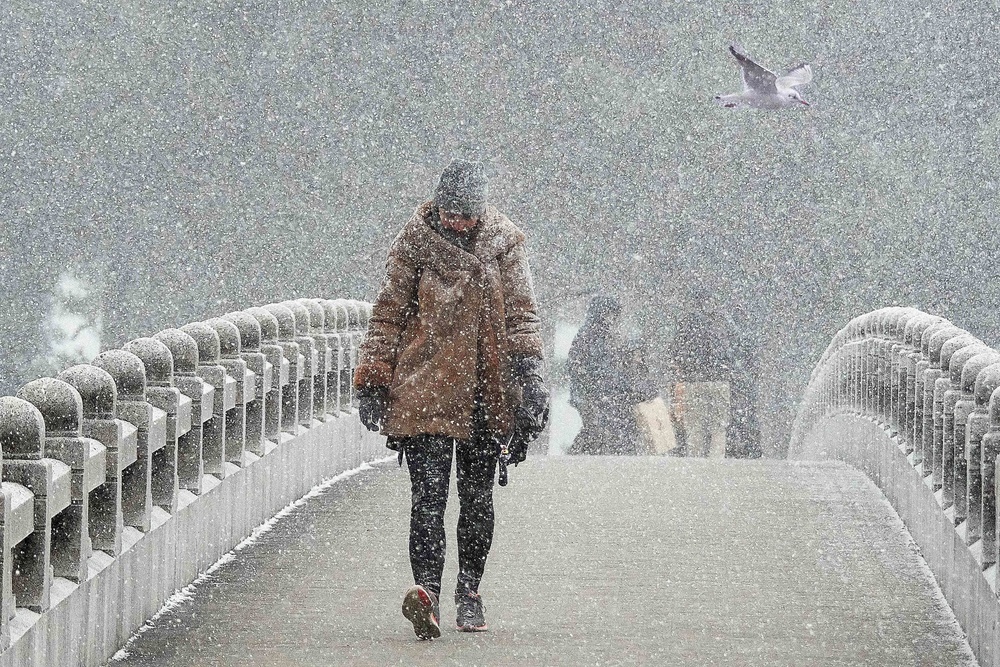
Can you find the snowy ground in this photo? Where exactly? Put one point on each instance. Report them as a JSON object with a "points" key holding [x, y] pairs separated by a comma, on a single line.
{"points": [[596, 561]]}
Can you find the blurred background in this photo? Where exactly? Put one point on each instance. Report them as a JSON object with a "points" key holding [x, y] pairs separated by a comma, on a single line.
{"points": [[163, 162]]}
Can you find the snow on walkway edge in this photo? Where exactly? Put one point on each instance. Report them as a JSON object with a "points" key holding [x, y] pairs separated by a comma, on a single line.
{"points": [[187, 593]]}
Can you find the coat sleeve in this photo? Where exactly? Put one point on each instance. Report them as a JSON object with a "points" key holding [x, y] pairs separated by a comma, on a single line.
{"points": [[523, 326], [395, 304]]}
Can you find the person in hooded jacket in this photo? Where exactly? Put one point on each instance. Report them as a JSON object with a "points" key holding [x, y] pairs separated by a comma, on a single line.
{"points": [[450, 369], [608, 378]]}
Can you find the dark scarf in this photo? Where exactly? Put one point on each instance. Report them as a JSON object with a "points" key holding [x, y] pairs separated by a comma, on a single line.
{"points": [[464, 240]]}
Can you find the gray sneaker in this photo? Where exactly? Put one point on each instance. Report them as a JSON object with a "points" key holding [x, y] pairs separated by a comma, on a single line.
{"points": [[420, 607], [471, 616]]}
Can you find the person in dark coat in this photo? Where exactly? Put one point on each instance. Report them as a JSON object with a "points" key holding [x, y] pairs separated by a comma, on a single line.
{"points": [[450, 370], [608, 378]]}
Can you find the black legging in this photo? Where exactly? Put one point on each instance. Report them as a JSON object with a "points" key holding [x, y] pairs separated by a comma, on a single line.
{"points": [[429, 461]]}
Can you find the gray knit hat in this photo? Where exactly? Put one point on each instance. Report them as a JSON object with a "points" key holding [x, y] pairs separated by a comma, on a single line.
{"points": [[463, 189]]}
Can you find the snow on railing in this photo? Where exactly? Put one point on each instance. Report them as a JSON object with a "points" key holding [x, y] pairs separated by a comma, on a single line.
{"points": [[124, 478], [930, 392]]}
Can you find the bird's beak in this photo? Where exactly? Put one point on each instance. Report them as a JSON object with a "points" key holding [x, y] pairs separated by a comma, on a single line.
{"points": [[805, 103]]}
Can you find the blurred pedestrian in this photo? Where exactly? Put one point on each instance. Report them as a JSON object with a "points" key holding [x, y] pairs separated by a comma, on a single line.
{"points": [[743, 437], [608, 378], [451, 370], [701, 360]]}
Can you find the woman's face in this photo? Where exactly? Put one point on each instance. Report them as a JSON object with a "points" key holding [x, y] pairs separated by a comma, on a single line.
{"points": [[456, 222]]}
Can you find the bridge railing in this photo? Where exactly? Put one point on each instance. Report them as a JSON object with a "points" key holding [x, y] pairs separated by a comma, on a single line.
{"points": [[930, 392], [124, 478]]}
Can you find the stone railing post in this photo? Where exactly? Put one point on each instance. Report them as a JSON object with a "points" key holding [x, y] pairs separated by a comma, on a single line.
{"points": [[357, 331], [952, 439], [847, 384], [868, 337], [230, 358], [898, 413], [990, 453], [944, 420], [916, 364], [896, 377], [868, 375], [18, 522], [851, 363], [151, 433], [334, 387], [871, 376], [279, 372], [99, 395], [213, 443], [885, 389], [346, 366], [162, 394], [900, 331], [296, 363], [62, 411], [17, 421], [967, 472], [906, 359], [257, 364], [872, 367], [307, 347], [321, 343], [979, 468], [364, 315], [184, 352], [932, 424], [921, 364], [914, 387], [22, 441], [873, 371]]}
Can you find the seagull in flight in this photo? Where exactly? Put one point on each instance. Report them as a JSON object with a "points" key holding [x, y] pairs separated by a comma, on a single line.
{"points": [[763, 89]]}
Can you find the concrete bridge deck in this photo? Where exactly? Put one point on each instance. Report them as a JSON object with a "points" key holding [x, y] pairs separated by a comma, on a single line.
{"points": [[596, 561]]}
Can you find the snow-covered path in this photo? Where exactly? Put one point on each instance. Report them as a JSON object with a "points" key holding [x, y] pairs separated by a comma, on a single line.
{"points": [[596, 561]]}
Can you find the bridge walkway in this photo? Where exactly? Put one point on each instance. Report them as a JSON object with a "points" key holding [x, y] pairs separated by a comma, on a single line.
{"points": [[596, 561]]}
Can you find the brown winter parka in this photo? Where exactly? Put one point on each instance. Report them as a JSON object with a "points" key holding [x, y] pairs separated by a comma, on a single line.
{"points": [[446, 326]]}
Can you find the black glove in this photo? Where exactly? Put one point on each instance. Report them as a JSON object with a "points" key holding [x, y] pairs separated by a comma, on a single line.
{"points": [[372, 405], [518, 447], [531, 417]]}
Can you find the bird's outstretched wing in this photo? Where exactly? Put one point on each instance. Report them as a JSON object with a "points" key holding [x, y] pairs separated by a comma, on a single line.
{"points": [[755, 77], [797, 76]]}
